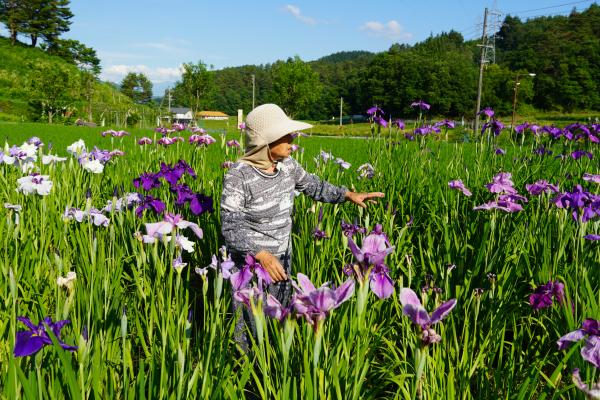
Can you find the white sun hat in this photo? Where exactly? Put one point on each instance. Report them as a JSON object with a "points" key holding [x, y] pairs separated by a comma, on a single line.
{"points": [[270, 123], [266, 124]]}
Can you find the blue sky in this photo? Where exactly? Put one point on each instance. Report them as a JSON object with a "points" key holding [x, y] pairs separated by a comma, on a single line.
{"points": [[156, 37]]}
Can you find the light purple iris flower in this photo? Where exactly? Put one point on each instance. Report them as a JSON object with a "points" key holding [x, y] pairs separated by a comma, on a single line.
{"points": [[544, 294], [592, 237], [201, 140], [168, 225], [592, 393], [315, 304], [458, 184], [505, 202], [590, 332], [541, 186], [420, 105], [31, 341], [233, 143], [222, 266], [591, 178], [144, 140], [375, 247], [412, 307], [343, 164], [502, 183]]}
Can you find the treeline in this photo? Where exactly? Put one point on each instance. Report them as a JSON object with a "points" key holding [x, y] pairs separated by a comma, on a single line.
{"points": [[562, 51]]}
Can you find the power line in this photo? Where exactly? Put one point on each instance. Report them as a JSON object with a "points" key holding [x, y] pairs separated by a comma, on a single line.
{"points": [[549, 7]]}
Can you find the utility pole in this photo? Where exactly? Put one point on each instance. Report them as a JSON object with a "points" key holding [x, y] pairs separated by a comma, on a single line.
{"points": [[253, 90], [341, 107], [481, 66]]}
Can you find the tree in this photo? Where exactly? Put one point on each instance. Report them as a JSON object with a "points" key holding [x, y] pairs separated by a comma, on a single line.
{"points": [[296, 86], [13, 15], [76, 53], [137, 87], [54, 87], [195, 88]]}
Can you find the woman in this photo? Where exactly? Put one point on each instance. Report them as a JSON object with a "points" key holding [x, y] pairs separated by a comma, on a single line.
{"points": [[258, 198]]}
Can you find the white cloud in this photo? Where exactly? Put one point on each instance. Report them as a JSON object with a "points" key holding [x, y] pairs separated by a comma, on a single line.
{"points": [[116, 73], [295, 11], [390, 30]]}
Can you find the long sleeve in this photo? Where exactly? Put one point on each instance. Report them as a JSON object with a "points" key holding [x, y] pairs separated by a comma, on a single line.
{"points": [[316, 188], [234, 226]]}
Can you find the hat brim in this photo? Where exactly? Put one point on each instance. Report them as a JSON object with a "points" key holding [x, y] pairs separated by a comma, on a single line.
{"points": [[278, 131]]}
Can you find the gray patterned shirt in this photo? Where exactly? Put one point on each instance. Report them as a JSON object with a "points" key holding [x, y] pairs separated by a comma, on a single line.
{"points": [[256, 207]]}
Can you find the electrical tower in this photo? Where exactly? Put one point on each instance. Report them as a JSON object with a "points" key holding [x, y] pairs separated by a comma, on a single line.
{"points": [[491, 25]]}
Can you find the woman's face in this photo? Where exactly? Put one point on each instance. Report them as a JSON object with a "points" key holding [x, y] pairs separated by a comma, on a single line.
{"points": [[281, 148]]}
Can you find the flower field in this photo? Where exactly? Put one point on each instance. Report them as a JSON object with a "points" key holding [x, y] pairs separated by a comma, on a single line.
{"points": [[477, 276]]}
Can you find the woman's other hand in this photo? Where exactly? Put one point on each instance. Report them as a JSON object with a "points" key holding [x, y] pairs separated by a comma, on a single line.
{"points": [[360, 199], [272, 265]]}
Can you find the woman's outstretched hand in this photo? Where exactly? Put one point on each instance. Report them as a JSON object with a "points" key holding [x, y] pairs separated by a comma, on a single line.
{"points": [[360, 199], [272, 265]]}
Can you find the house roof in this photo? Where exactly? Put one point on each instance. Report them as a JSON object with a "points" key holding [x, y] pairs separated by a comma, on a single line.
{"points": [[211, 114], [179, 110]]}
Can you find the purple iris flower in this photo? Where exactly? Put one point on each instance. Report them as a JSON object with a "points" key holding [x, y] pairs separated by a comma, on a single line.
{"points": [[398, 123], [412, 307], [590, 332], [375, 247], [592, 237], [542, 151], [172, 174], [457, 184], [352, 229], [241, 279], [591, 178], [226, 164], [488, 112], [147, 181], [584, 205], [31, 341], [446, 122], [544, 294], [519, 129], [500, 151], [409, 136], [496, 126], [233, 143], [374, 111], [150, 203], [144, 140], [421, 105], [577, 154], [201, 204], [541, 186], [315, 304]]}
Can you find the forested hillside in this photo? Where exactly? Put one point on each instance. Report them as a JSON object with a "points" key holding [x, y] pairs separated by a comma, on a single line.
{"points": [[563, 52]]}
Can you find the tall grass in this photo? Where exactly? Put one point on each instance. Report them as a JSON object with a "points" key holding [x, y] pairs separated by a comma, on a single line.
{"points": [[152, 332]]}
